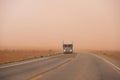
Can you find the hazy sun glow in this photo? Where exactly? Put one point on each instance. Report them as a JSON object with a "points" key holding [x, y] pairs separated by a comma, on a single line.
{"points": [[90, 24]]}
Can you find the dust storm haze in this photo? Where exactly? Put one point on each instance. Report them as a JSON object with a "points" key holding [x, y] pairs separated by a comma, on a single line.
{"points": [[44, 24]]}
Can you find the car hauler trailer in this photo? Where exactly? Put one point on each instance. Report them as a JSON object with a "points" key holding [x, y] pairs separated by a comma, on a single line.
{"points": [[68, 48]]}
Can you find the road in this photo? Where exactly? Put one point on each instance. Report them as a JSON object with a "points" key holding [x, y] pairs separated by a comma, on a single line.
{"points": [[81, 66]]}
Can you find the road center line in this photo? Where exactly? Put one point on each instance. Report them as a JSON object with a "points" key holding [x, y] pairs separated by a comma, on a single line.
{"points": [[37, 77], [43, 73]]}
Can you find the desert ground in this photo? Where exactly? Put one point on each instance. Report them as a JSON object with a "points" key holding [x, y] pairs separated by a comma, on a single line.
{"points": [[8, 56], [113, 56]]}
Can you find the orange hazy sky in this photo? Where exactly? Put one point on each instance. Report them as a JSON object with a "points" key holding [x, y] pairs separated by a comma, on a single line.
{"points": [[36, 24]]}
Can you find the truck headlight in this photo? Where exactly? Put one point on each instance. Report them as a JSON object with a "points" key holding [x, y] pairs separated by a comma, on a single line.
{"points": [[70, 50], [64, 50]]}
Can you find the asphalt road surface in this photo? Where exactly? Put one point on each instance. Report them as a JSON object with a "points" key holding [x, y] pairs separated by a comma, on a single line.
{"points": [[62, 67]]}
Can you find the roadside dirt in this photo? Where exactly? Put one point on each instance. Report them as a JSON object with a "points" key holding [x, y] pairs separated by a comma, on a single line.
{"points": [[112, 56], [8, 56]]}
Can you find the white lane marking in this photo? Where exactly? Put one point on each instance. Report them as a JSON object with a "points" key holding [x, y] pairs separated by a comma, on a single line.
{"points": [[19, 63], [108, 62], [24, 62]]}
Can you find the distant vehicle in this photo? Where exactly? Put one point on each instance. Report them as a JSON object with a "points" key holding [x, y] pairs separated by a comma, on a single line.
{"points": [[68, 48]]}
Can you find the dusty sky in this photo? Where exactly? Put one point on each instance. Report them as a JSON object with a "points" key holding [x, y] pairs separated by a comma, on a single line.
{"points": [[90, 24]]}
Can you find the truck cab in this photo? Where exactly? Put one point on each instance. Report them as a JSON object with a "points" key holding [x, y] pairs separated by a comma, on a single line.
{"points": [[68, 48]]}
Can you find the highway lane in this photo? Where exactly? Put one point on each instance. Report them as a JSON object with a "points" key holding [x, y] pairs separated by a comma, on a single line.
{"points": [[63, 67], [24, 70], [82, 67]]}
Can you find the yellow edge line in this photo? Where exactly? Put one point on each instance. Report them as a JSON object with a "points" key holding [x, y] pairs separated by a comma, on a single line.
{"points": [[37, 77]]}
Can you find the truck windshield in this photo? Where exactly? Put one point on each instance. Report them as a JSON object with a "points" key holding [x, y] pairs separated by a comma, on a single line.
{"points": [[67, 45]]}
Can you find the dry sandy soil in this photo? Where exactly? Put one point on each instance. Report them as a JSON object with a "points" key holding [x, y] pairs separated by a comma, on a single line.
{"points": [[7, 56], [113, 56]]}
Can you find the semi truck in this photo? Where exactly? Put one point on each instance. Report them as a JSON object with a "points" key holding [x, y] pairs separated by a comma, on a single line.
{"points": [[67, 48]]}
